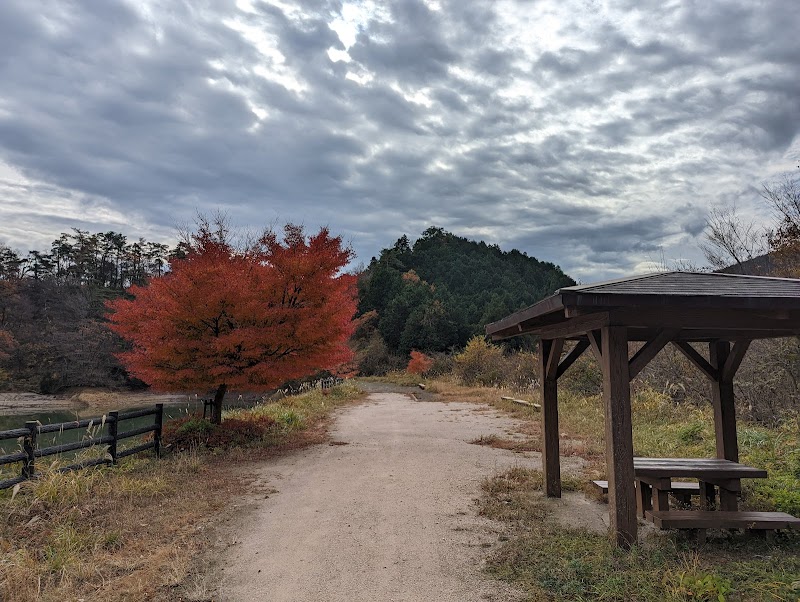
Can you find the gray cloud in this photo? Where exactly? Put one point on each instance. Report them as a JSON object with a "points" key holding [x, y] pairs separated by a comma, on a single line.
{"points": [[595, 137]]}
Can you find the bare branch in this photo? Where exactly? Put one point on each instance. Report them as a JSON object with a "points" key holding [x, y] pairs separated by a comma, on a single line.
{"points": [[729, 240]]}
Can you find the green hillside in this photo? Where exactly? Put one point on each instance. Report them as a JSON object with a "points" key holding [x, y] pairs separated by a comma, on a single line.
{"points": [[437, 293]]}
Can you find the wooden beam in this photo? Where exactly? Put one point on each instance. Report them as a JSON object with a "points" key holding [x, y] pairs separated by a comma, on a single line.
{"points": [[705, 335], [550, 305], [619, 435], [734, 359], [722, 399], [649, 350], [570, 358], [698, 360], [711, 318], [551, 464], [595, 340], [553, 358], [572, 327]]}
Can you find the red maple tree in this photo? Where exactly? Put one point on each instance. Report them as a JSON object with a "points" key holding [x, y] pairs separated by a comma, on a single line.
{"points": [[419, 363], [251, 319]]}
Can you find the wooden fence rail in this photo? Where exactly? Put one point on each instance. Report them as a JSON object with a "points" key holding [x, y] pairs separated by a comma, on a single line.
{"points": [[31, 450]]}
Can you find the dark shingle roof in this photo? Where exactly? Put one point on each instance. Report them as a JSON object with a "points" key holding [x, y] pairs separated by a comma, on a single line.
{"points": [[694, 284]]}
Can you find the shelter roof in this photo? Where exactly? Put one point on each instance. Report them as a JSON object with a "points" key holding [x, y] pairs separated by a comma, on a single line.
{"points": [[703, 306]]}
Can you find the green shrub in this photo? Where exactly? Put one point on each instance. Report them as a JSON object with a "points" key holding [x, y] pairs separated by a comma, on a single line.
{"points": [[697, 586], [290, 419], [691, 433]]}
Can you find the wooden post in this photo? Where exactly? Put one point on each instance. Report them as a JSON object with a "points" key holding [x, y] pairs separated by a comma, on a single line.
{"points": [[113, 429], [644, 498], [549, 354], [157, 432], [723, 402], [29, 447], [722, 398], [619, 435]]}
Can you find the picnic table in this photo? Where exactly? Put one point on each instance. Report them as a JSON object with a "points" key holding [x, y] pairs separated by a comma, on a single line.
{"points": [[654, 481], [654, 484]]}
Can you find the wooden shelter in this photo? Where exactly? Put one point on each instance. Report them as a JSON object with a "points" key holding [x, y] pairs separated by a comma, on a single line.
{"points": [[725, 312]]}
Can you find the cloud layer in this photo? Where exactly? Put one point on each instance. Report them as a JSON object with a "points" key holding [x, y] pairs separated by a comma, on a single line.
{"points": [[594, 134]]}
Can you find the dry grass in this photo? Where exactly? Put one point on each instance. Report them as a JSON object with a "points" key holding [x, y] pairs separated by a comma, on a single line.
{"points": [[554, 563], [141, 530], [110, 534], [514, 445]]}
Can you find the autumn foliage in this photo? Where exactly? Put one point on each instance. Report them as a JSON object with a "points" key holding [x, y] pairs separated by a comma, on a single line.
{"points": [[251, 319], [419, 363]]}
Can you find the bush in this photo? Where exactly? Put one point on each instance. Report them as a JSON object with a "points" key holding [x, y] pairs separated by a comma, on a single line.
{"points": [[442, 364], [479, 364], [193, 431], [584, 377], [419, 363], [375, 359]]}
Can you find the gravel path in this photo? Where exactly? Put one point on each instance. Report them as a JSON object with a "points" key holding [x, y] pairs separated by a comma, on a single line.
{"points": [[385, 512]]}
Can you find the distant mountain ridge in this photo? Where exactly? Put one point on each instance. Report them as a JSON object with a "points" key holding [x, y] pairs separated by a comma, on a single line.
{"points": [[437, 293]]}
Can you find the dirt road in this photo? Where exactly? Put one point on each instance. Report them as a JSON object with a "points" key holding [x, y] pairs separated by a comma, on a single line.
{"points": [[385, 512]]}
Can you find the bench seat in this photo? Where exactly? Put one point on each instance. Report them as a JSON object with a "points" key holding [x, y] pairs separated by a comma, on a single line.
{"points": [[676, 487], [716, 519]]}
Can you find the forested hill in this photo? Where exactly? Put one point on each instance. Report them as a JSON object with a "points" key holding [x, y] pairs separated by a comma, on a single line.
{"points": [[437, 293], [52, 326]]}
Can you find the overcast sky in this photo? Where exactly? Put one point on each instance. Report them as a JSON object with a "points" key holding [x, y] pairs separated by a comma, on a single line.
{"points": [[592, 133]]}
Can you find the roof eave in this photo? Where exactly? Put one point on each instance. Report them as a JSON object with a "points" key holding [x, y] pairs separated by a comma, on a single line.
{"points": [[511, 325]]}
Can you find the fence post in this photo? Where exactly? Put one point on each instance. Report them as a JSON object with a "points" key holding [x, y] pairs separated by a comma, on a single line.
{"points": [[157, 432], [29, 447], [113, 429]]}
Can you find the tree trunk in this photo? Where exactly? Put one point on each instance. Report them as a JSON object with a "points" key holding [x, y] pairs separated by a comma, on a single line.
{"points": [[216, 410]]}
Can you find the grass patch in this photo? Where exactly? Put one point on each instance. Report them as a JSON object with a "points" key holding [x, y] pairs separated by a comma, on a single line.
{"points": [[550, 562], [133, 532]]}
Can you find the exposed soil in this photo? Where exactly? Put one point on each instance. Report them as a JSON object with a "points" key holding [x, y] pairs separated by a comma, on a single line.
{"points": [[386, 513]]}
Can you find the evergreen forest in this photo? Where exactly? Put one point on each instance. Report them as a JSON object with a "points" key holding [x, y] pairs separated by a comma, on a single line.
{"points": [[435, 294]]}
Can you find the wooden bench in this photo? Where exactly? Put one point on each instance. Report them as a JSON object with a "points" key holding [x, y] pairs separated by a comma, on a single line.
{"points": [[720, 519], [682, 491]]}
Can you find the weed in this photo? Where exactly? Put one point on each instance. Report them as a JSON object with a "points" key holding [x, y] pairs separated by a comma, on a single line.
{"points": [[691, 584], [691, 433]]}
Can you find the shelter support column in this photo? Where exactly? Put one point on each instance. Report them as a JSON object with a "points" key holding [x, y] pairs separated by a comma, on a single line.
{"points": [[619, 435], [722, 399], [549, 356]]}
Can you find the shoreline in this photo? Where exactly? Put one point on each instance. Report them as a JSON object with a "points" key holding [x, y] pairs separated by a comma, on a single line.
{"points": [[22, 403]]}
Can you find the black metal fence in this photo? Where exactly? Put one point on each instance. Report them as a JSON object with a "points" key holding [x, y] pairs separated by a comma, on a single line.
{"points": [[30, 436]]}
